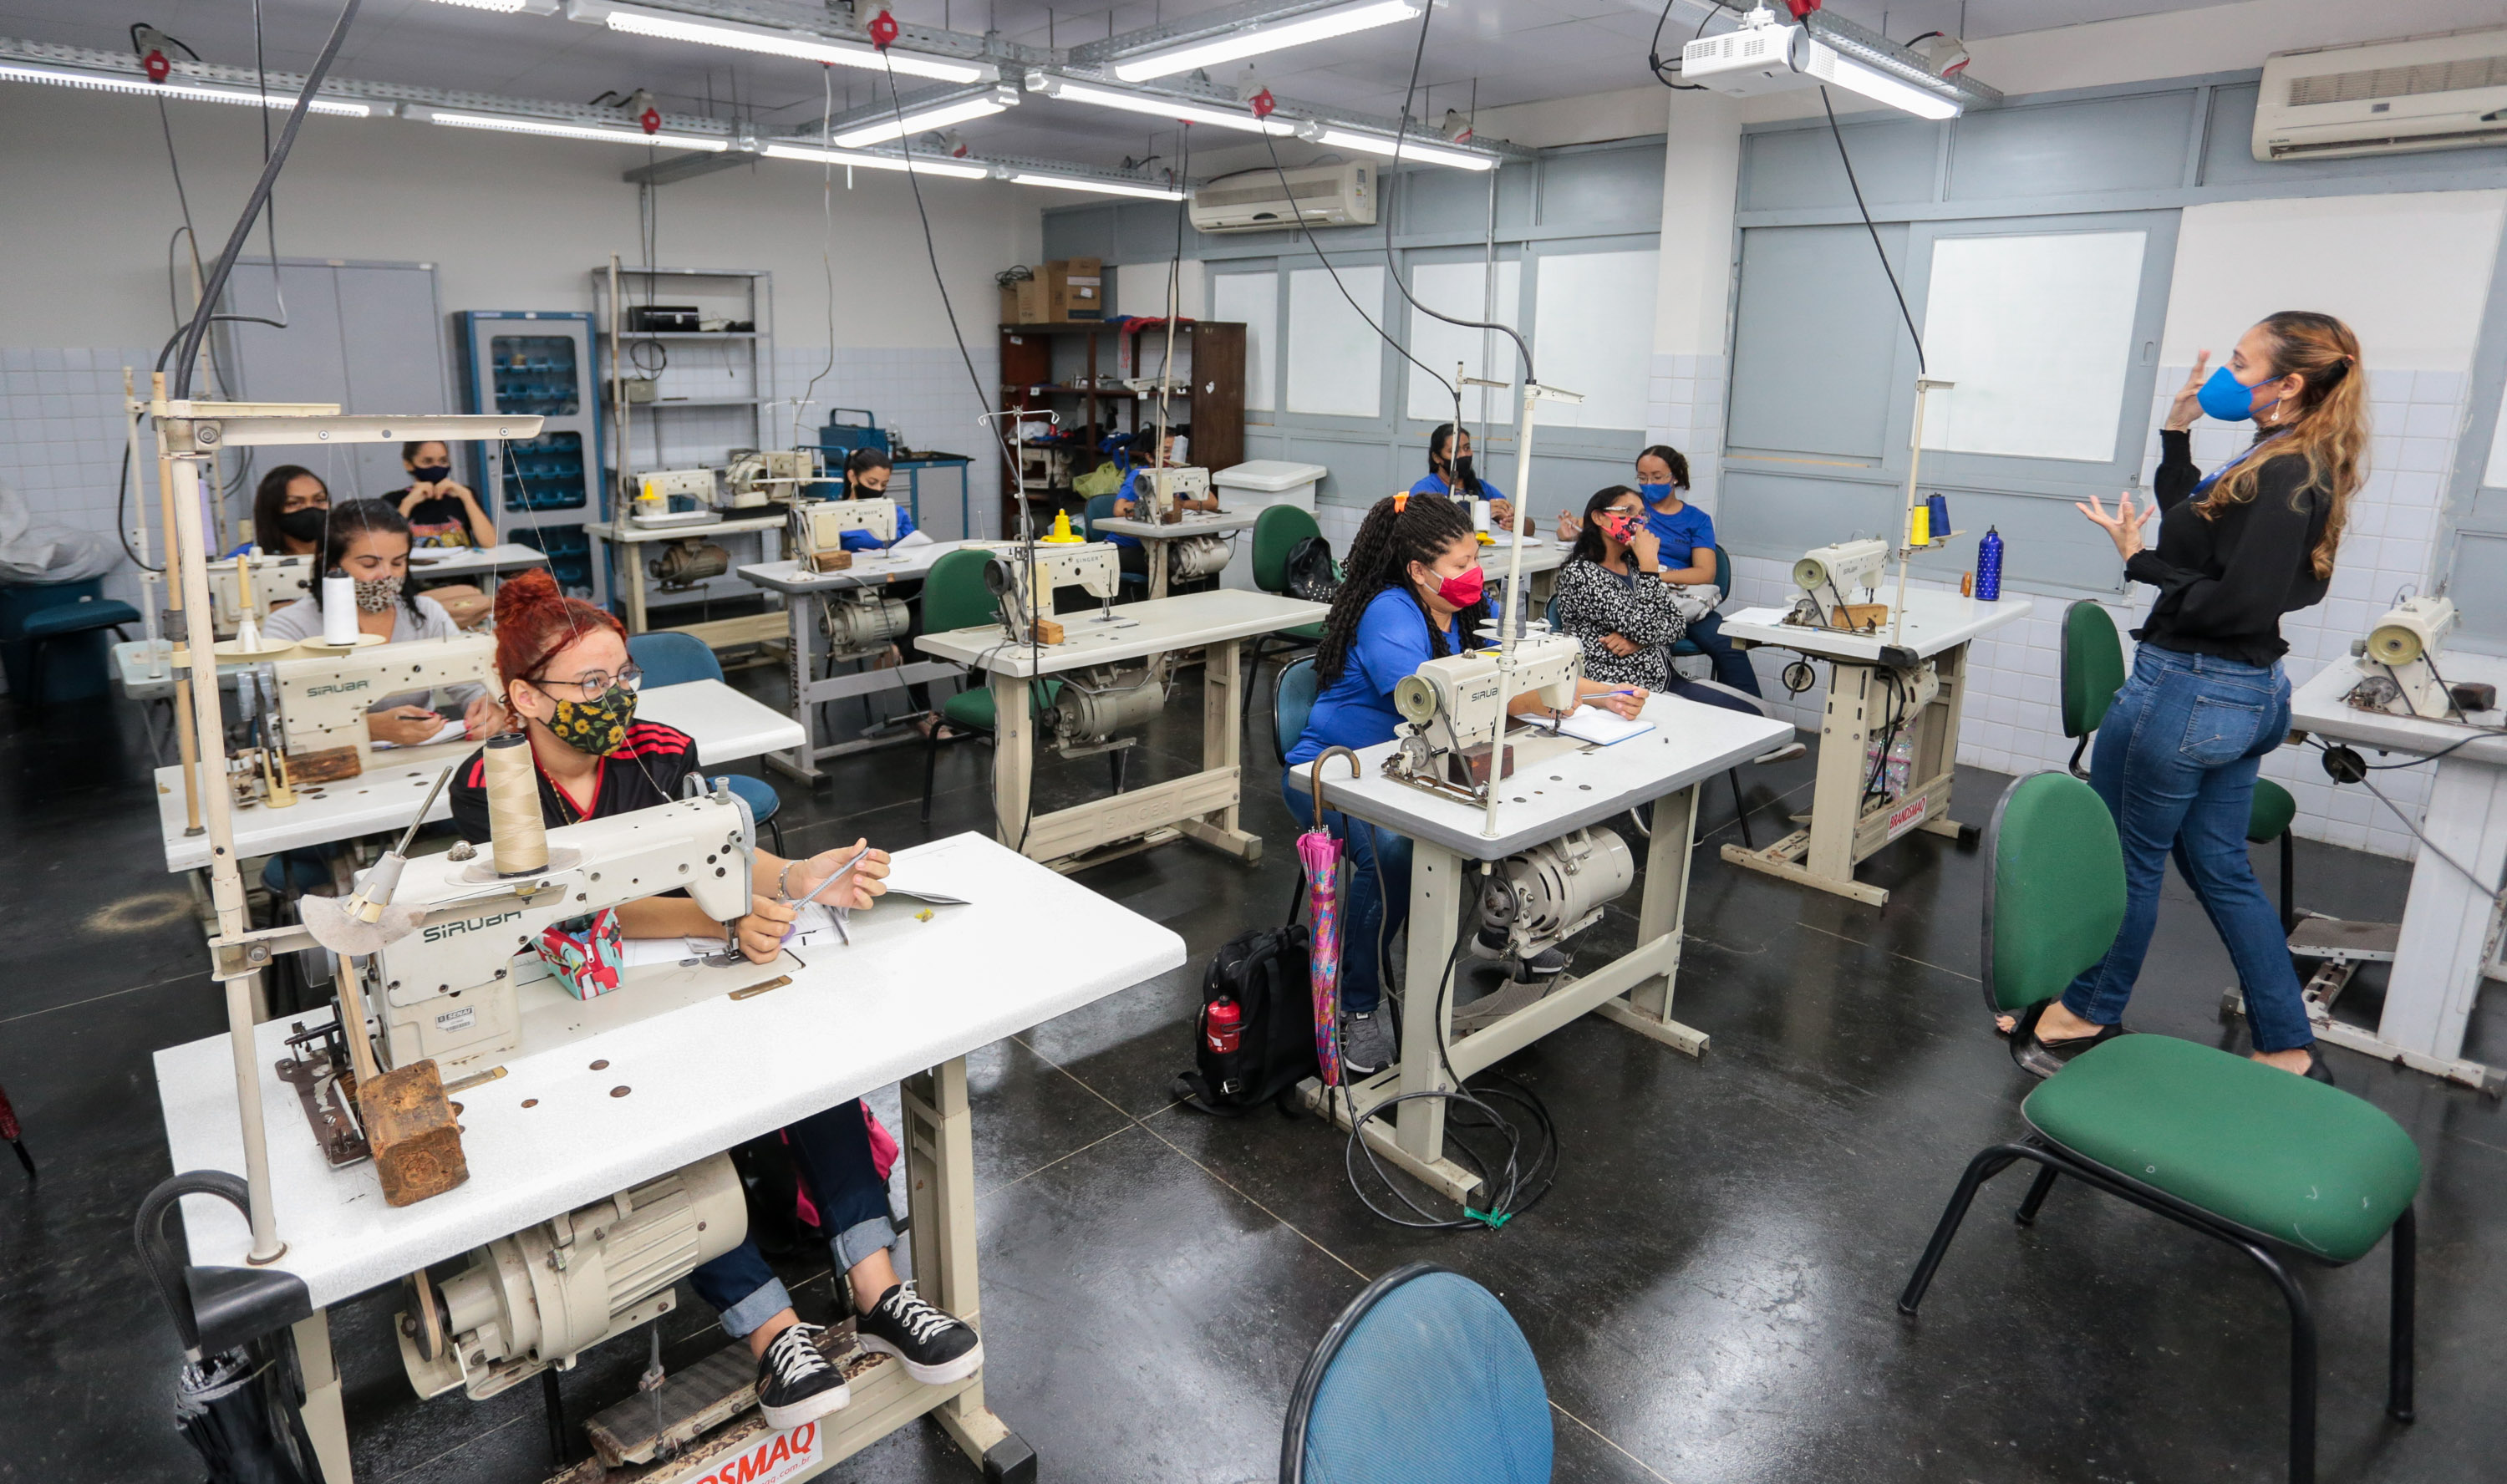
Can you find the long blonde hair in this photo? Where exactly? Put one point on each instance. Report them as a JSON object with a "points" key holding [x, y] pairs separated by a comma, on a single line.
{"points": [[2330, 431]]}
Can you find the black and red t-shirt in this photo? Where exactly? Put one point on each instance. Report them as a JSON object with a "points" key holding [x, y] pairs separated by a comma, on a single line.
{"points": [[650, 767]]}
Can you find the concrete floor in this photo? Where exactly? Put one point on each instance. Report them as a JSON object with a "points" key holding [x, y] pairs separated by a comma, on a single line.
{"points": [[1709, 1287]]}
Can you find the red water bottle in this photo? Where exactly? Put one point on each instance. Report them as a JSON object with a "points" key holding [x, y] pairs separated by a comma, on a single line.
{"points": [[1222, 1025]]}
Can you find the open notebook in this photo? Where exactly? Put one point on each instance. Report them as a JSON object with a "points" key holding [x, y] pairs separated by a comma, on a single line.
{"points": [[1592, 724]]}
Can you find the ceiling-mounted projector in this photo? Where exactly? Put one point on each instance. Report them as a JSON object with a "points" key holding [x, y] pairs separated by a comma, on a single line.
{"points": [[1756, 58]]}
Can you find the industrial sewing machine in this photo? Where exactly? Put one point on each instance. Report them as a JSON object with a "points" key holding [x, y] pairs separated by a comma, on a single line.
{"points": [[819, 527], [274, 582], [1839, 570], [759, 476], [1188, 558], [468, 989], [323, 699], [1024, 588], [1451, 707], [2397, 663]]}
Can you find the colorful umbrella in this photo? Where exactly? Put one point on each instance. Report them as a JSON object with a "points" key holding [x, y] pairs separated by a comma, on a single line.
{"points": [[1321, 855]]}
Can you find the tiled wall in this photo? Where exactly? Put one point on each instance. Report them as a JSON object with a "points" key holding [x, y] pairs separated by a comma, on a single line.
{"points": [[1684, 408], [61, 431], [2014, 721]]}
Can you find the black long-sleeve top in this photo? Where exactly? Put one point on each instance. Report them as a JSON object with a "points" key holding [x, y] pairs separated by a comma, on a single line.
{"points": [[1638, 607], [2225, 582]]}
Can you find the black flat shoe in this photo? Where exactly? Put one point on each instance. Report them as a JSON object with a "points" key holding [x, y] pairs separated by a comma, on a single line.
{"points": [[2043, 1058], [2317, 1070]]}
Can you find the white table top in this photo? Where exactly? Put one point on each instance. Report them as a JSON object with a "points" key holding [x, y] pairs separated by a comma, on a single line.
{"points": [[910, 564], [2317, 706], [628, 532], [130, 664], [1197, 524], [1539, 555], [906, 996], [1137, 629], [467, 561], [1935, 622], [726, 725], [1545, 798]]}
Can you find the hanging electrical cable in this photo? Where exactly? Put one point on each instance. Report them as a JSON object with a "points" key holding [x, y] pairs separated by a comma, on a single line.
{"points": [[189, 338], [1900, 294]]}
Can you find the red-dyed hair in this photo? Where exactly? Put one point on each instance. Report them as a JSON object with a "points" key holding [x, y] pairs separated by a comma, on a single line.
{"points": [[535, 621]]}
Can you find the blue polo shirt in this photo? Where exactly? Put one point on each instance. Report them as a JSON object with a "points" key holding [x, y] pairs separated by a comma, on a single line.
{"points": [[1682, 535], [1356, 711], [1129, 492], [1435, 483]]}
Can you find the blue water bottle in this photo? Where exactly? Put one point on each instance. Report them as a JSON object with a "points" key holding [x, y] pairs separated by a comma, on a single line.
{"points": [[1988, 568]]}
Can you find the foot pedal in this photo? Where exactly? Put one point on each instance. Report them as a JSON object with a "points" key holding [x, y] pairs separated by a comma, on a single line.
{"points": [[1010, 1461], [668, 1422], [2343, 941]]}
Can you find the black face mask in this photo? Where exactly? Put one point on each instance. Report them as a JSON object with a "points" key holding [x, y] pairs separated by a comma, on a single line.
{"points": [[303, 525], [432, 474], [1466, 480]]}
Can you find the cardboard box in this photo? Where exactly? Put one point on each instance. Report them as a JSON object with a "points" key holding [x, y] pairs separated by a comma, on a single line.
{"points": [[1025, 302], [1075, 290]]}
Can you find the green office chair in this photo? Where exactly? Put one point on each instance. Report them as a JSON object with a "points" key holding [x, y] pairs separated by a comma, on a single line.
{"points": [[1292, 701], [955, 597], [2270, 1163], [1277, 530], [2093, 671]]}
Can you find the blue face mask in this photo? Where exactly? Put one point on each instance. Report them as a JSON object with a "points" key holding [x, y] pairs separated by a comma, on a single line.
{"points": [[1654, 494], [2226, 398]]}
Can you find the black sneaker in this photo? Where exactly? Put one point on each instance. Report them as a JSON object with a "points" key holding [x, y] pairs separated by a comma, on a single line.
{"points": [[796, 1383], [936, 1346], [1367, 1045]]}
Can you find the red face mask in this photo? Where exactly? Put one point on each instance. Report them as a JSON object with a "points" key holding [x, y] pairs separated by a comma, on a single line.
{"points": [[1463, 591]]}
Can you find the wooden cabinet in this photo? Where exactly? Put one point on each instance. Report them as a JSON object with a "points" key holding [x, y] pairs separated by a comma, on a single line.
{"points": [[1077, 369]]}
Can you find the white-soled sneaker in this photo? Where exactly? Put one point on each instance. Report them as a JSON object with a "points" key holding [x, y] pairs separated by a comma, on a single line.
{"points": [[796, 1383], [1367, 1045], [935, 1346]]}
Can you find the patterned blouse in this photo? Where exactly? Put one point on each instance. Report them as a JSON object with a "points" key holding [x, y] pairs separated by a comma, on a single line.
{"points": [[1593, 601]]}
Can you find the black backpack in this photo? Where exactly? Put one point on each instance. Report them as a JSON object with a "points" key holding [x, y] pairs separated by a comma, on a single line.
{"points": [[1265, 973], [1311, 575]]}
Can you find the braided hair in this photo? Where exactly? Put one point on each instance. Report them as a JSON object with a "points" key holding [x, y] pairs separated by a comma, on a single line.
{"points": [[1402, 529]]}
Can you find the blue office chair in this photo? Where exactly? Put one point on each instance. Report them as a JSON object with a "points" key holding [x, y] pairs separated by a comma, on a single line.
{"points": [[1292, 701], [675, 659], [1685, 646], [1424, 1378], [1732, 775]]}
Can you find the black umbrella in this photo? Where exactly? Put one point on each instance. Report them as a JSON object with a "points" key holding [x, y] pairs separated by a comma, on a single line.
{"points": [[237, 1404]]}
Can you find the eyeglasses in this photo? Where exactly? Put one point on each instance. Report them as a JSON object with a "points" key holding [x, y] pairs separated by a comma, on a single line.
{"points": [[597, 682]]}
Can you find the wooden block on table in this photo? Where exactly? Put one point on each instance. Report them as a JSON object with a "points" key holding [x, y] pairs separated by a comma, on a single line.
{"points": [[409, 1125], [831, 562], [1048, 632], [1860, 616], [328, 766]]}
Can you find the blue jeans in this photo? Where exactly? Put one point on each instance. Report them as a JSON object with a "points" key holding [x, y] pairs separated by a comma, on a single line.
{"points": [[1706, 694], [1378, 901], [1731, 666], [2175, 762], [832, 1153]]}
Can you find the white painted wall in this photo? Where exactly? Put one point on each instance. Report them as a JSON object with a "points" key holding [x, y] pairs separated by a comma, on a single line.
{"points": [[510, 222]]}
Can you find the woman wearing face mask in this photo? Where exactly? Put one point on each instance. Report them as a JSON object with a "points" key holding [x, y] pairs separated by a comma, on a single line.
{"points": [[369, 542], [1413, 592], [1687, 535], [287, 510], [1450, 473], [2176, 758], [440, 511], [567, 677], [867, 472]]}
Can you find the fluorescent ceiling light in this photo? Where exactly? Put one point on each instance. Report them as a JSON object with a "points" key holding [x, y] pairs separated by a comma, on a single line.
{"points": [[1830, 65], [508, 124], [1271, 36], [1108, 187], [507, 7], [672, 26], [919, 120], [1158, 107], [952, 169], [192, 93], [1411, 150]]}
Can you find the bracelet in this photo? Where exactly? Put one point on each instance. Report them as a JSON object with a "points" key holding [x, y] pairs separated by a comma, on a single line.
{"points": [[781, 891]]}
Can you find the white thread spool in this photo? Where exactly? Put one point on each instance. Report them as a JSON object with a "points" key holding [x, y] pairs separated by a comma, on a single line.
{"points": [[516, 834], [339, 608]]}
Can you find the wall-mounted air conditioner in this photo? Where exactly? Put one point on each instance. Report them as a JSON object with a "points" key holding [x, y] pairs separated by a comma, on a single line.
{"points": [[2445, 91], [1317, 195]]}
